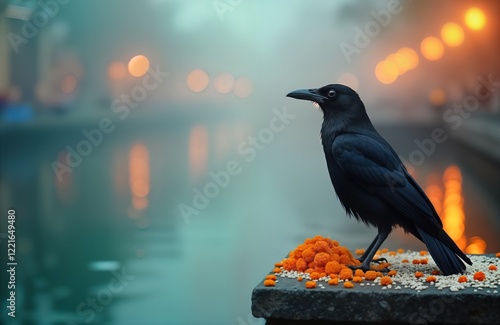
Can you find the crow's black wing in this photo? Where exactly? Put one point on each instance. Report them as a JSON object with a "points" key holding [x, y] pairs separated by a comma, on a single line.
{"points": [[373, 165]]}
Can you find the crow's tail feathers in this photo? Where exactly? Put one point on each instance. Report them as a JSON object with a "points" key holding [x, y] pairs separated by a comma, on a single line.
{"points": [[444, 251]]}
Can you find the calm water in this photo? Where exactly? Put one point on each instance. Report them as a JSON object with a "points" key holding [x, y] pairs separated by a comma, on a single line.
{"points": [[107, 243]]}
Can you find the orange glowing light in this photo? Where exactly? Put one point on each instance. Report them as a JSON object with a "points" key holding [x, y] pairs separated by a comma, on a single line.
{"points": [[197, 80], [475, 18], [452, 34], [386, 72], [68, 84], [394, 58], [224, 83], [138, 65], [117, 70], [437, 97], [477, 246], [453, 212], [198, 151], [349, 79], [407, 58], [139, 177], [432, 48], [243, 87]]}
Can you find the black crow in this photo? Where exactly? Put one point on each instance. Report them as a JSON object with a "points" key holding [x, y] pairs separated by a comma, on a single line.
{"points": [[372, 183]]}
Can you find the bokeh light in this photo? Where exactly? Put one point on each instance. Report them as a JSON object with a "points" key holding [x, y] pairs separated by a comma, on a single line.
{"points": [[477, 246], [349, 79], [68, 84], [224, 83], [243, 87], [197, 80], [452, 34], [138, 65], [386, 72], [475, 18], [407, 58], [432, 48], [437, 97], [117, 70]]}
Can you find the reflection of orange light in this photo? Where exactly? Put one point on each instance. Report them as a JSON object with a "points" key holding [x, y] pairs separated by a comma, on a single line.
{"points": [[475, 18], [437, 97], [63, 180], [432, 48], [138, 65], [407, 58], [348, 79], [224, 83], [139, 175], [117, 70], [243, 87], [452, 34], [386, 72], [68, 84], [197, 80], [198, 151], [477, 246]]}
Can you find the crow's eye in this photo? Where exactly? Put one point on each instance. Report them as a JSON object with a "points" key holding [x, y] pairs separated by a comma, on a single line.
{"points": [[332, 93]]}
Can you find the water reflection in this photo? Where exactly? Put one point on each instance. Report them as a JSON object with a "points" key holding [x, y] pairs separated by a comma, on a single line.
{"points": [[198, 152], [139, 176]]}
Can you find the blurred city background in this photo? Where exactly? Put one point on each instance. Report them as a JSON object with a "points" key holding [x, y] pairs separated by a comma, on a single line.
{"points": [[158, 171]]}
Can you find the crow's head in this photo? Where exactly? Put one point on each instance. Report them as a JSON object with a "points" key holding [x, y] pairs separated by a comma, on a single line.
{"points": [[335, 100]]}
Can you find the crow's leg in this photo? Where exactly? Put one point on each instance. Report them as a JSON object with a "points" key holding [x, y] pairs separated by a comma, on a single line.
{"points": [[367, 251], [381, 237]]}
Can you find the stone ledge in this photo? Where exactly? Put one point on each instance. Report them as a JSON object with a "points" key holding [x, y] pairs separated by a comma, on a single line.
{"points": [[289, 302]]}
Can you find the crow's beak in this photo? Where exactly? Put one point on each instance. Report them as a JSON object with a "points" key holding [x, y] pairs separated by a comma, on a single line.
{"points": [[308, 94]]}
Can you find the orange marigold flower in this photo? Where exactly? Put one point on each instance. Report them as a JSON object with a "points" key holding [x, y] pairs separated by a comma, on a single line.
{"points": [[348, 285], [392, 253], [345, 274], [385, 280], [384, 250], [311, 265], [334, 276], [462, 278], [370, 275], [308, 241], [492, 267], [321, 246], [322, 258], [271, 277], [308, 255], [423, 253], [430, 278], [424, 261], [359, 272], [497, 254], [269, 283], [322, 275], [309, 270], [314, 276], [379, 274], [289, 263], [401, 251], [333, 267], [276, 270], [405, 261], [319, 269], [357, 279], [335, 257], [392, 273], [333, 281], [480, 276], [301, 265], [359, 251], [344, 259], [416, 261], [278, 264], [299, 279], [310, 284], [419, 274], [335, 243], [435, 272]]}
